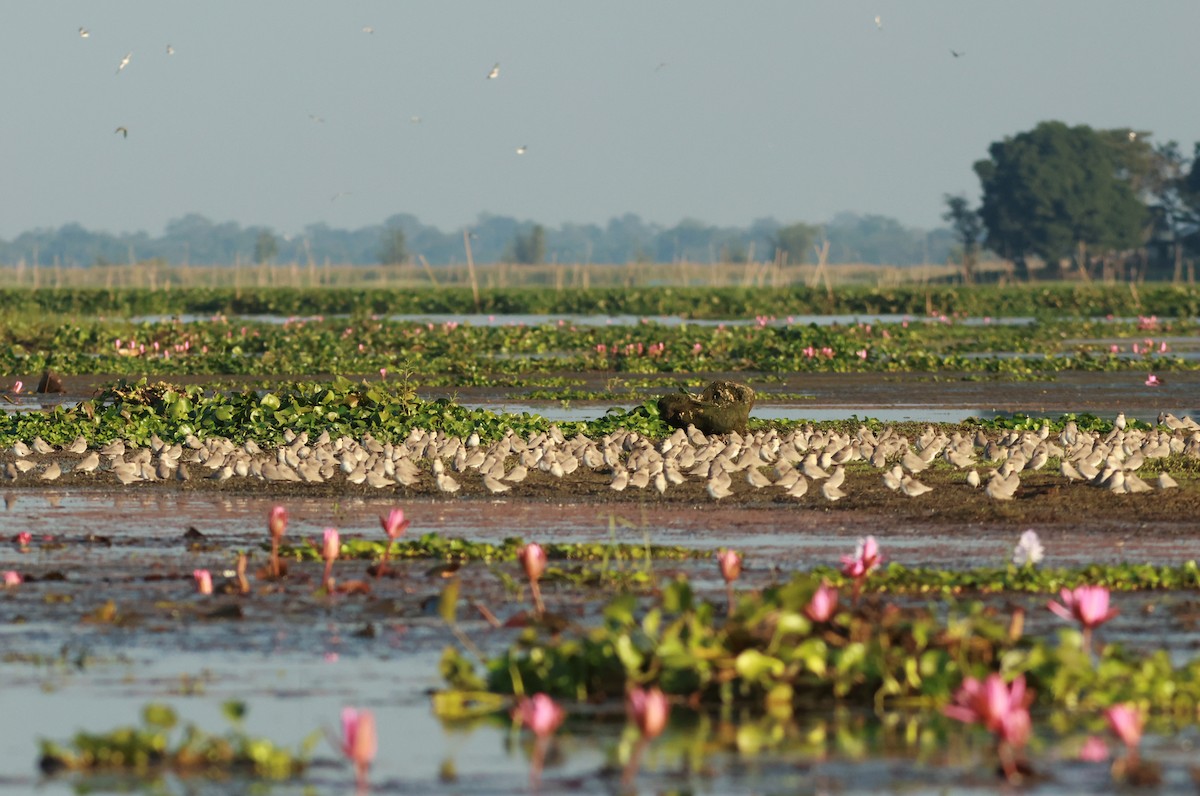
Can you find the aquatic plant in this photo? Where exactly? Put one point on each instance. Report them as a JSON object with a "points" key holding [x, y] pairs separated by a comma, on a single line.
{"points": [[730, 563], [359, 741], [151, 748], [331, 548], [277, 525], [393, 524], [533, 561], [1087, 605]]}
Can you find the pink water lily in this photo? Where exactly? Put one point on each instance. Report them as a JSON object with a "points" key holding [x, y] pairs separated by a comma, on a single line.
{"points": [[1087, 605], [823, 604], [1001, 708], [24, 538], [277, 522], [203, 580], [393, 524], [649, 709], [540, 713], [12, 578], [533, 561], [1126, 722], [865, 559], [331, 548], [1094, 750], [730, 562], [359, 741], [1153, 381]]}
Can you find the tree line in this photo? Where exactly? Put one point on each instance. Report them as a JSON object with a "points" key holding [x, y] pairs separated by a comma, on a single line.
{"points": [[492, 238]]}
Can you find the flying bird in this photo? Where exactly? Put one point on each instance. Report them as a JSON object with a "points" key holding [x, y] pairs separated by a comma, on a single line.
{"points": [[368, 29], [522, 149], [170, 50], [124, 61], [495, 73], [317, 119], [84, 33], [957, 54], [123, 131], [879, 22], [339, 195]]}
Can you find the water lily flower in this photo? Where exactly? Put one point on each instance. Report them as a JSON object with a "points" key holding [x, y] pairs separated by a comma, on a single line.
{"points": [[1126, 722], [359, 741], [1153, 381], [649, 708], [533, 560], [277, 522], [383, 374], [1094, 750], [24, 538], [1002, 709], [540, 713], [393, 524], [203, 581], [866, 558], [18, 386], [331, 548], [823, 604], [12, 578], [730, 562], [1087, 605], [1029, 551]]}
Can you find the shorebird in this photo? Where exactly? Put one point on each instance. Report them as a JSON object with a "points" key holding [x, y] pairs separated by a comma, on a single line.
{"points": [[1165, 481], [124, 61], [40, 445], [124, 131], [51, 473], [495, 72]]}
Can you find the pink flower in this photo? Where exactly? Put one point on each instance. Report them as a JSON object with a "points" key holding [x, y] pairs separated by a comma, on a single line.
{"points": [[1114, 349], [203, 581], [24, 538], [1162, 347], [12, 578], [1126, 722], [533, 559], [823, 604], [359, 741], [541, 714], [18, 386], [394, 523], [1015, 727], [277, 522], [989, 702], [332, 546], [1153, 381], [1094, 750], [697, 348], [649, 708], [866, 558], [861, 353], [730, 562], [1087, 605], [383, 374], [1136, 349]]}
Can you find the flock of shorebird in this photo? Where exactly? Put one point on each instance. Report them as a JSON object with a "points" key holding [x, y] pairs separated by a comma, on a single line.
{"points": [[788, 461]]}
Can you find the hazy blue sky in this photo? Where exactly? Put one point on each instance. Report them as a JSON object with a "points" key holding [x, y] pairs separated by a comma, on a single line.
{"points": [[724, 112]]}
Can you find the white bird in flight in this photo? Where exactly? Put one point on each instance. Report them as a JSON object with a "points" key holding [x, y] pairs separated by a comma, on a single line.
{"points": [[522, 149], [84, 33], [170, 50], [124, 61], [495, 73], [879, 22]]}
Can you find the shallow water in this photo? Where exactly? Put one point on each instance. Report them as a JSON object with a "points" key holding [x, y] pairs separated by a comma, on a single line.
{"points": [[296, 660]]}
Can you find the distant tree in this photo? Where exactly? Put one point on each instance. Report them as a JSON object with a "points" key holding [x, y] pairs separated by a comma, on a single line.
{"points": [[265, 247], [796, 241], [968, 226], [393, 248], [530, 249], [1058, 190]]}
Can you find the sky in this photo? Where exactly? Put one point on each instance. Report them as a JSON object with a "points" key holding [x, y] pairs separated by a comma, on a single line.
{"points": [[286, 113]]}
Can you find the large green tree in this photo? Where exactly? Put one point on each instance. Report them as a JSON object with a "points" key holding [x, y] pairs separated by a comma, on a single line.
{"points": [[968, 227], [1058, 191]]}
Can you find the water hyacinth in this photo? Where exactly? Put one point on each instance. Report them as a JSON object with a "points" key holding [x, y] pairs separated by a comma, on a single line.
{"points": [[1029, 551], [359, 741]]}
